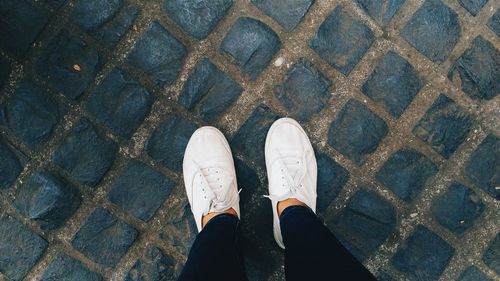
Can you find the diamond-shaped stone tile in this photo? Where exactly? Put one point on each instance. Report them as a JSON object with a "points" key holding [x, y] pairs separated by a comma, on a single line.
{"points": [[47, 199], [483, 167], [140, 190], [472, 273], [494, 23], [331, 179], [120, 103], [444, 127], [342, 40], [85, 154], [209, 91], [159, 54], [304, 91], [251, 44], [364, 224], [288, 13], [394, 83], [10, 166], [31, 113], [64, 267], [473, 6], [423, 256], [169, 140], [490, 256], [356, 131], [477, 70], [406, 172], [458, 208], [197, 17], [433, 30], [103, 238], [92, 14], [153, 265], [382, 11], [21, 248], [4, 70]]}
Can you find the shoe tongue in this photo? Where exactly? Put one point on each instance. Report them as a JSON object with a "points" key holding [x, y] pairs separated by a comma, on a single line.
{"points": [[293, 166]]}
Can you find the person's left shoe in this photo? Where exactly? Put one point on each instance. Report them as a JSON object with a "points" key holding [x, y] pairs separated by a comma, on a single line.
{"points": [[209, 174]]}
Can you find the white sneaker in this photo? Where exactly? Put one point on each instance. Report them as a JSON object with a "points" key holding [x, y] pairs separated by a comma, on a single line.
{"points": [[209, 174], [291, 168]]}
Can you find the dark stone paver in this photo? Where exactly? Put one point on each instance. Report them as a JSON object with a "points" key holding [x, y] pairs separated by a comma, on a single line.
{"points": [[159, 54], [458, 208], [483, 168], [490, 256], [4, 70], [209, 91], [169, 140], [21, 248], [64, 267], [342, 40], [10, 166], [103, 238], [444, 127], [365, 223], [110, 34], [424, 256], [394, 83], [472, 273], [91, 14], [47, 199], [304, 91], [197, 17], [494, 23], [473, 6], [288, 13], [251, 44], [85, 154], [247, 180], [21, 23], [406, 172], [31, 113], [356, 131], [120, 103], [382, 11], [180, 230], [433, 30], [58, 60], [54, 3], [140, 190], [154, 265], [477, 70], [331, 179]]}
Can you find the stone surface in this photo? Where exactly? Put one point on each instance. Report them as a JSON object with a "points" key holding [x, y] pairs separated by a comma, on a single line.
{"points": [[159, 54], [169, 140], [494, 23], [304, 91], [120, 103], [4, 70], [424, 256], [85, 154], [365, 223], [140, 190], [472, 273], [473, 6], [154, 265], [64, 267], [458, 208], [331, 179], [342, 40], [10, 166], [406, 172], [356, 131], [477, 70], [57, 64], [197, 17], [288, 13], [180, 230], [103, 238], [434, 30], [21, 248], [91, 14], [382, 11], [31, 113], [394, 83], [444, 127], [483, 168], [54, 3], [21, 23], [208, 91], [251, 45], [112, 31], [492, 254], [47, 199]]}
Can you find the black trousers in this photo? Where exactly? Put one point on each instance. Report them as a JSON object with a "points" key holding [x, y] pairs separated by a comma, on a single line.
{"points": [[312, 252]]}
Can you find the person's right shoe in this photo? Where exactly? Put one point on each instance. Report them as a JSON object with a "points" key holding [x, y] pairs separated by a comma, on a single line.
{"points": [[291, 168]]}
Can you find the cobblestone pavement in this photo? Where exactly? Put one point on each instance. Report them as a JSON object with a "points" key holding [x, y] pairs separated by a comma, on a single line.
{"points": [[99, 97]]}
